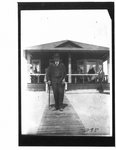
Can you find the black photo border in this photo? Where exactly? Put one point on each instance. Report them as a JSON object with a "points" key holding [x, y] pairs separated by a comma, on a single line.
{"points": [[32, 140]]}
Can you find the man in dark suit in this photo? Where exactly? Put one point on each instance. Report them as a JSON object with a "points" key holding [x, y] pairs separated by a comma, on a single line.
{"points": [[100, 77], [56, 77]]}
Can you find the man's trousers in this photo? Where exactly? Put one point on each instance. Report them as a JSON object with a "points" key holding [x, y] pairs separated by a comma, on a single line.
{"points": [[58, 90], [100, 86]]}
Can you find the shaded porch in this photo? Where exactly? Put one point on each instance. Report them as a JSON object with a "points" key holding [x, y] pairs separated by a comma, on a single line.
{"points": [[78, 58]]}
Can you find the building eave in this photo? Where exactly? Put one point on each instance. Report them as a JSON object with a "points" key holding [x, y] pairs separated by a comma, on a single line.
{"points": [[54, 47]]}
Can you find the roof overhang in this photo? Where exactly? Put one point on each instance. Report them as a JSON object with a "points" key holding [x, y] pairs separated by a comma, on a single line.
{"points": [[82, 49]]}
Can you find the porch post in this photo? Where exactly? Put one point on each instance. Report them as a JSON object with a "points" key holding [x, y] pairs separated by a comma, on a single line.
{"points": [[38, 80], [28, 67], [97, 66], [69, 69], [108, 65], [24, 72]]}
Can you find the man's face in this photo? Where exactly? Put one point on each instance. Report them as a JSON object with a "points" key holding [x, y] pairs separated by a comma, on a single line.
{"points": [[100, 67], [57, 61]]}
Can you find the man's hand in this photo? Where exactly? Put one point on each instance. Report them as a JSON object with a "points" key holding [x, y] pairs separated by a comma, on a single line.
{"points": [[63, 81], [49, 82]]}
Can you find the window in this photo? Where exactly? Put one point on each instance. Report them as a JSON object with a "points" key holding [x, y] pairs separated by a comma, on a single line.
{"points": [[91, 67], [80, 67], [36, 66]]}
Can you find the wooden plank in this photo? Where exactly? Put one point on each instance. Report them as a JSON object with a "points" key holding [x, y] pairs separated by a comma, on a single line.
{"points": [[64, 123]]}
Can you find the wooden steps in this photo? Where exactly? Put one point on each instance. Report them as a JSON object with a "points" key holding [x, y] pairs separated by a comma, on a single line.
{"points": [[86, 86], [41, 86], [61, 123], [36, 87]]}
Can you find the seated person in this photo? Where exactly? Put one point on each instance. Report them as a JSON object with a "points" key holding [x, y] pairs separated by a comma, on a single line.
{"points": [[91, 71]]}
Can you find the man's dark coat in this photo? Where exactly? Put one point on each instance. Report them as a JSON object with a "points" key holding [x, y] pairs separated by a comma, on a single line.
{"points": [[56, 74]]}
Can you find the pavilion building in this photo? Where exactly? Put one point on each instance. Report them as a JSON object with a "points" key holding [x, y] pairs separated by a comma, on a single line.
{"points": [[78, 58]]}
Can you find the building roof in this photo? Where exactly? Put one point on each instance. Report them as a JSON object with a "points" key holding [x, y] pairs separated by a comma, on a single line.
{"points": [[66, 45]]}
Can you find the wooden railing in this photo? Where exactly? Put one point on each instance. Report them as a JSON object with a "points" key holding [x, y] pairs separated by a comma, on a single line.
{"points": [[76, 78], [86, 78]]}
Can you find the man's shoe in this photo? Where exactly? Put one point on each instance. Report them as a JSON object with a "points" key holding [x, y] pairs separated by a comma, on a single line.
{"points": [[61, 109], [55, 109]]}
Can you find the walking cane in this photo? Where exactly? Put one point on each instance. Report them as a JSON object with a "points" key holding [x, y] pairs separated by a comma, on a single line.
{"points": [[49, 95]]}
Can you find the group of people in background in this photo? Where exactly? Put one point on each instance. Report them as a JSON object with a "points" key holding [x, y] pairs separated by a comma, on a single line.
{"points": [[100, 77]]}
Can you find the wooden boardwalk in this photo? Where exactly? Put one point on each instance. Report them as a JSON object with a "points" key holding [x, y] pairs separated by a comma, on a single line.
{"points": [[61, 123]]}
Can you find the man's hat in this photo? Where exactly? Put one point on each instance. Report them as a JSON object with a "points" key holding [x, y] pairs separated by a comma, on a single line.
{"points": [[56, 56]]}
